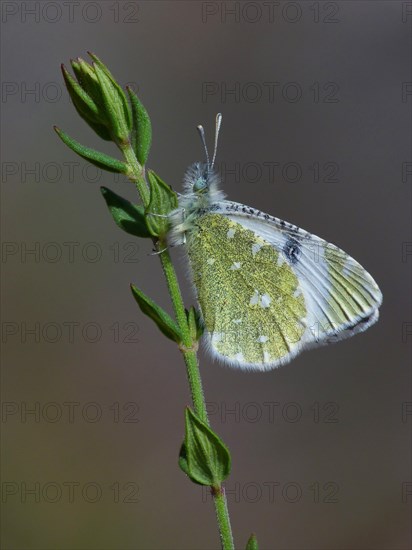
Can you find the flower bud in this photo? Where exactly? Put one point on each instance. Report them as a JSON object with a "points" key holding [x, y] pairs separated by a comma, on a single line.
{"points": [[99, 99]]}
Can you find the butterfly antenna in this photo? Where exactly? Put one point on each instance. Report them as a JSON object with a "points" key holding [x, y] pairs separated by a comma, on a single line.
{"points": [[217, 130], [201, 131]]}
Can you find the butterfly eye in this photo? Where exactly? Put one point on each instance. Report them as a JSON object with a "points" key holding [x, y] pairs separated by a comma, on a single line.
{"points": [[200, 184]]}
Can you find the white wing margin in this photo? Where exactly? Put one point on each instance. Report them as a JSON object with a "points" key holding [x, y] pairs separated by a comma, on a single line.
{"points": [[341, 297]]}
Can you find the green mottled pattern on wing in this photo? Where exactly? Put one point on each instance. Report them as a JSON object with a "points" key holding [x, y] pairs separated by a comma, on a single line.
{"points": [[249, 296]]}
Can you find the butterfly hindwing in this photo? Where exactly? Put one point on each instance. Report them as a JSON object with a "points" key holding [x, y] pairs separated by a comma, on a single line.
{"points": [[340, 295]]}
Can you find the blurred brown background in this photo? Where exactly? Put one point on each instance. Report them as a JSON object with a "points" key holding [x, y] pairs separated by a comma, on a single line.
{"points": [[316, 99]]}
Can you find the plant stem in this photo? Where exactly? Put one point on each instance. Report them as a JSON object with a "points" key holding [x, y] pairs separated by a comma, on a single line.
{"points": [[137, 172], [195, 382], [188, 347], [189, 354], [223, 519]]}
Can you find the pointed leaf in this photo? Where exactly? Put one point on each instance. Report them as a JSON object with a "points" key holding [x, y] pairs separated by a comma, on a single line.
{"points": [[87, 79], [81, 99], [183, 465], [206, 458], [162, 201], [128, 216], [162, 319], [115, 105], [195, 324], [118, 90], [141, 134], [98, 159], [252, 543], [111, 107], [183, 459], [86, 106]]}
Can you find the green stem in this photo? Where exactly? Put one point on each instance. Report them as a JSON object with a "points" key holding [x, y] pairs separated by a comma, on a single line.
{"points": [[137, 172], [195, 382], [189, 354], [188, 348], [223, 519]]}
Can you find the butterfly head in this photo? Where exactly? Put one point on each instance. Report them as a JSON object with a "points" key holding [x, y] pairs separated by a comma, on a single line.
{"points": [[201, 180]]}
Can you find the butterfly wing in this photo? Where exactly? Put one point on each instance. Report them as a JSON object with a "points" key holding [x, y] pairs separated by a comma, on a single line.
{"points": [[341, 296], [253, 309], [267, 289]]}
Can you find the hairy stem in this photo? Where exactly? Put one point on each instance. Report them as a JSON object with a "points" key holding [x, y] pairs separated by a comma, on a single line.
{"points": [[136, 173], [195, 382], [188, 347], [223, 519]]}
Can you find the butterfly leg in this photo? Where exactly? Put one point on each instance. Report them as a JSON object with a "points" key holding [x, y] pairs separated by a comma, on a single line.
{"points": [[159, 251]]}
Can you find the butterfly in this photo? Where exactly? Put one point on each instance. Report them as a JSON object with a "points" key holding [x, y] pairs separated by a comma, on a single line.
{"points": [[266, 288]]}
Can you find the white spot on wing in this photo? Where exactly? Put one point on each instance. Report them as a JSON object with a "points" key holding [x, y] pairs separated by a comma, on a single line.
{"points": [[211, 261], [239, 357], [265, 301], [254, 299], [262, 339], [237, 321], [235, 265], [266, 357], [231, 233], [217, 337], [255, 248]]}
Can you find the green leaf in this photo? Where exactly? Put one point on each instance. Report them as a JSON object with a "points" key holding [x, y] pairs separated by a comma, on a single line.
{"points": [[81, 99], [162, 201], [115, 103], [87, 79], [128, 216], [195, 324], [252, 543], [118, 90], [183, 459], [98, 159], [111, 108], [205, 458], [141, 135], [87, 107], [162, 319], [183, 465]]}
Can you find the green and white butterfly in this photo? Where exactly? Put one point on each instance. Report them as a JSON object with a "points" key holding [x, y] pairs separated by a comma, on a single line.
{"points": [[266, 288]]}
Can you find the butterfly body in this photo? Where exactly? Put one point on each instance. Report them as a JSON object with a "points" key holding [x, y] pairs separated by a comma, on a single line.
{"points": [[266, 288]]}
